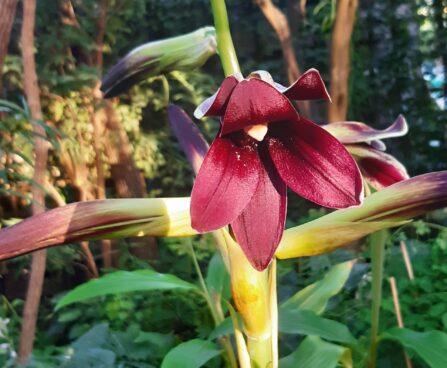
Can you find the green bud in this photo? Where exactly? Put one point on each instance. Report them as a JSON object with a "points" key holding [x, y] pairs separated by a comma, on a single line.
{"points": [[184, 53]]}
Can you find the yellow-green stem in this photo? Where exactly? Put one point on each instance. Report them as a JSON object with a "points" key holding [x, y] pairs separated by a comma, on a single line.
{"points": [[225, 45], [260, 352], [378, 241]]}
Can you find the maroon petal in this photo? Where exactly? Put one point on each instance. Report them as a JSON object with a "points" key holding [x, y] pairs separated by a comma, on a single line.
{"points": [[215, 105], [379, 169], [189, 136], [226, 182], [356, 132], [309, 86], [259, 228], [254, 101], [314, 164]]}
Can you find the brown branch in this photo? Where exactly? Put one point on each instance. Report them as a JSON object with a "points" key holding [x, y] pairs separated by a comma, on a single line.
{"points": [[101, 30], [7, 13], [340, 58], [279, 23], [37, 272]]}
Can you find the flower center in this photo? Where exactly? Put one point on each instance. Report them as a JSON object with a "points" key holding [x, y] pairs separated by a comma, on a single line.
{"points": [[257, 131]]}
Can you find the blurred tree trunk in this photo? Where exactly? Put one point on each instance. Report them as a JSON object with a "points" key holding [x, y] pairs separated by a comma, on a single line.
{"points": [[7, 13], [37, 272], [106, 244], [126, 176], [279, 23], [340, 58], [440, 16]]}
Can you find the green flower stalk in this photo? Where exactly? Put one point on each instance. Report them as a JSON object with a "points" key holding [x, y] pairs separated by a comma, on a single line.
{"points": [[183, 53]]}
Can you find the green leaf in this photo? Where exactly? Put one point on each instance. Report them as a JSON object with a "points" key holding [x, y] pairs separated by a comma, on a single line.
{"points": [[217, 277], [316, 296], [304, 322], [124, 282], [224, 328], [315, 353], [430, 346], [191, 354]]}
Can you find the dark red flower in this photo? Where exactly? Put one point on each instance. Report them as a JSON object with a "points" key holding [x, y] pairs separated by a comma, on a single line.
{"points": [[364, 143], [262, 148]]}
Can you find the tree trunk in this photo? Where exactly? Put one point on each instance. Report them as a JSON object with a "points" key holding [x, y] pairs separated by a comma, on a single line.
{"points": [[439, 7], [279, 23], [37, 272], [7, 13], [340, 59]]}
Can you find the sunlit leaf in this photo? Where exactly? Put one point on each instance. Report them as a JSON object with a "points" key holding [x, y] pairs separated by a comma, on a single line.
{"points": [[315, 297], [124, 282]]}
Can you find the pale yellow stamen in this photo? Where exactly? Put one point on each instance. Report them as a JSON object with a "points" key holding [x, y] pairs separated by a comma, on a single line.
{"points": [[257, 131]]}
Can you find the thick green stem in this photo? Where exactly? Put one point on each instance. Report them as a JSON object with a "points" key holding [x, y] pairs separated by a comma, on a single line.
{"points": [[224, 42], [378, 241]]}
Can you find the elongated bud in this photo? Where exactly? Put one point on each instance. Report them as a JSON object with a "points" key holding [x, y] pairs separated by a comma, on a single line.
{"points": [[111, 218], [184, 52], [393, 206]]}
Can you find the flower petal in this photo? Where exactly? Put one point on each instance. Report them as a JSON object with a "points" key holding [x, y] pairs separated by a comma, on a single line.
{"points": [[355, 132], [378, 168], [314, 164], [259, 227], [309, 86], [189, 136], [215, 105], [226, 182], [255, 101], [378, 145]]}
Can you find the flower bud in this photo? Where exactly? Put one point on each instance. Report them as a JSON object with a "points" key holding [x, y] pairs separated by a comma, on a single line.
{"points": [[184, 52]]}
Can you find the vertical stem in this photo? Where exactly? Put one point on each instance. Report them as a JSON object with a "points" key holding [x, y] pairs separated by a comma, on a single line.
{"points": [[217, 317], [254, 294], [378, 240], [224, 41]]}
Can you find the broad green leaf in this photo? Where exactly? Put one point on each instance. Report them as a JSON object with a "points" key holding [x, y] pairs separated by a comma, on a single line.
{"points": [[191, 354], [224, 328], [431, 346], [124, 282], [304, 322], [316, 296], [316, 353], [217, 277]]}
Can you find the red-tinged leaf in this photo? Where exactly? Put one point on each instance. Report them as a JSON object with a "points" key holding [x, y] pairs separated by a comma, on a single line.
{"points": [[226, 182], [314, 164], [378, 168], [112, 218], [259, 228], [215, 105], [189, 136], [253, 102], [356, 132], [309, 86]]}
